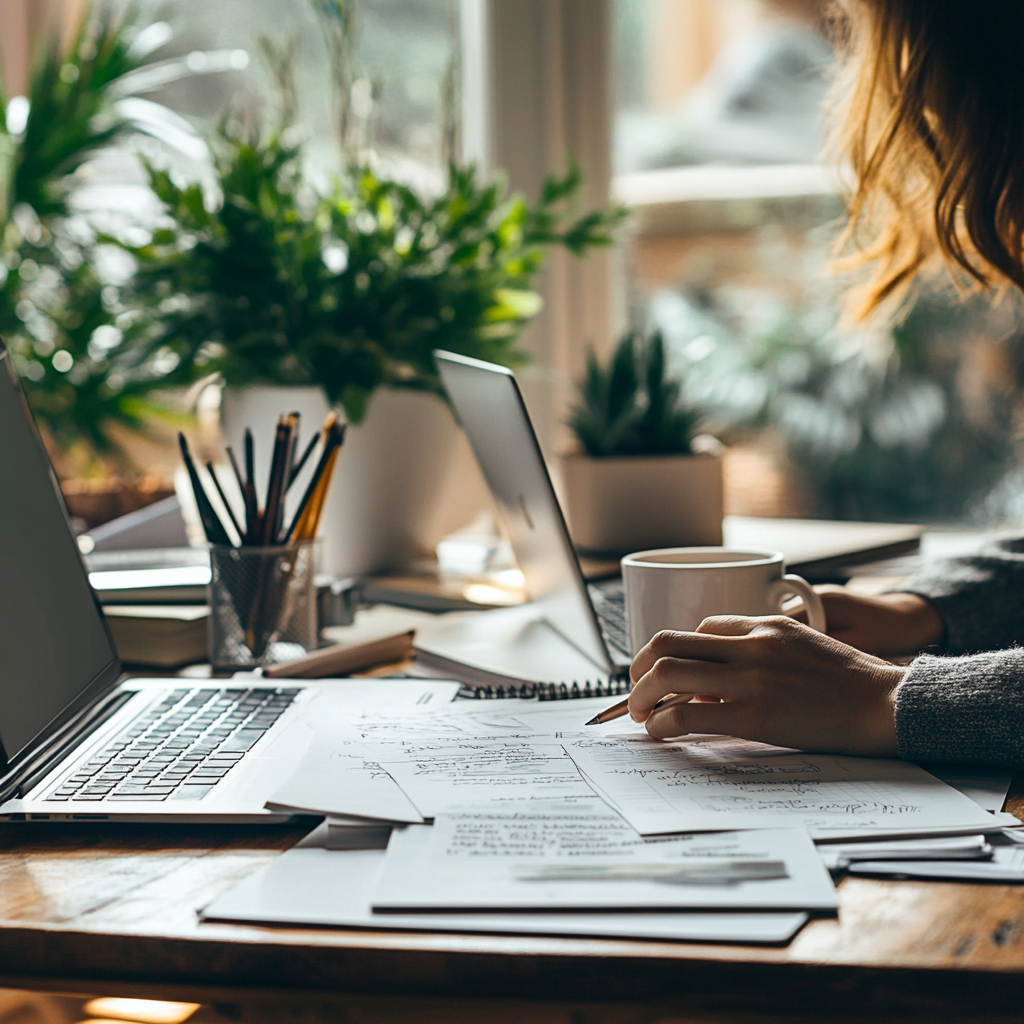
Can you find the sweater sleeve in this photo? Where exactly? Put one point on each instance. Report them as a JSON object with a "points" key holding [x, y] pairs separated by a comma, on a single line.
{"points": [[967, 710], [980, 598]]}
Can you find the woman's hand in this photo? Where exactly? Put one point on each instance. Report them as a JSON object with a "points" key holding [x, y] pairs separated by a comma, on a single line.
{"points": [[890, 625], [768, 679]]}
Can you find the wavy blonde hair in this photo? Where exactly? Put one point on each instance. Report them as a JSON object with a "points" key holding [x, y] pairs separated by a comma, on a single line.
{"points": [[928, 113]]}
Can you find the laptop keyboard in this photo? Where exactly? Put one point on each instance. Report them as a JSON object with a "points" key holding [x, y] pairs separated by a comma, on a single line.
{"points": [[609, 600], [178, 749]]}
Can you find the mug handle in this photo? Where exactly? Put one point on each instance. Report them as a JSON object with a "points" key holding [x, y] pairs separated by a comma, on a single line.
{"points": [[792, 585]]}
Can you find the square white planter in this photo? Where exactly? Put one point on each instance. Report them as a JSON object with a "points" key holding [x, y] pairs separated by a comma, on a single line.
{"points": [[618, 505]]}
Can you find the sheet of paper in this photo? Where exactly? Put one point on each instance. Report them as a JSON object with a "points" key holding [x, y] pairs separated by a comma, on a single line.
{"points": [[588, 860], [985, 786], [473, 719], [341, 778], [344, 696], [319, 887], [691, 787], [445, 775], [332, 777], [341, 772], [839, 855], [1006, 865]]}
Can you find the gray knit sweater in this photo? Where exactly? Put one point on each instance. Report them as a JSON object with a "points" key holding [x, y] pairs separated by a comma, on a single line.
{"points": [[969, 709]]}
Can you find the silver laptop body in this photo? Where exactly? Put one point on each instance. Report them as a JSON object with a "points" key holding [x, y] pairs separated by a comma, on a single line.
{"points": [[76, 742], [557, 637]]}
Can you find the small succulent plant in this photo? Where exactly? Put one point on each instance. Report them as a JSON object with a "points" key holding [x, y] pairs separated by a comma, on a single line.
{"points": [[629, 406]]}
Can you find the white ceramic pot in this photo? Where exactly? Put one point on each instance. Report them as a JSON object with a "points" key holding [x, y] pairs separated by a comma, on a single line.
{"points": [[384, 508], [618, 505]]}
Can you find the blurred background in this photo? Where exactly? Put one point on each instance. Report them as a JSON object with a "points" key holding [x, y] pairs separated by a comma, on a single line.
{"points": [[702, 116]]}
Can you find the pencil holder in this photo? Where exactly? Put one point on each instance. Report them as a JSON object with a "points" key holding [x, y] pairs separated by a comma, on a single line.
{"points": [[262, 604]]}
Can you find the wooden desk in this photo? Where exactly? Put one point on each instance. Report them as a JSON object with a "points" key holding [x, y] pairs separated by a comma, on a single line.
{"points": [[109, 910]]}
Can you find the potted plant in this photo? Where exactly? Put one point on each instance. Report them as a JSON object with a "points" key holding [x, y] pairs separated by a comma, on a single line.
{"points": [[345, 293], [61, 316], [644, 477]]}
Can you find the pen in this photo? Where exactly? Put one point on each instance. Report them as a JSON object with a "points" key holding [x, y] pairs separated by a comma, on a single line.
{"points": [[622, 708]]}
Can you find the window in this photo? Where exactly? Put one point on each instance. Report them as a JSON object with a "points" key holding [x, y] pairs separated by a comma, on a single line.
{"points": [[717, 131]]}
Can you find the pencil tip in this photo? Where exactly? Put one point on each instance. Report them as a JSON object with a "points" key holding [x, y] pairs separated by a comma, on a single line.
{"points": [[594, 721]]}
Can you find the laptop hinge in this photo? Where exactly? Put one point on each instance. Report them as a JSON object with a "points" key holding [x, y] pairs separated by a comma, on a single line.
{"points": [[26, 776]]}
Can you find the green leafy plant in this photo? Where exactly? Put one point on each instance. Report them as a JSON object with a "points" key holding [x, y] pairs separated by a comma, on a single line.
{"points": [[630, 407], [61, 317], [350, 290]]}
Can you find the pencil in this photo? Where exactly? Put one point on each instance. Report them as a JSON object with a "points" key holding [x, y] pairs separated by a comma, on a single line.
{"points": [[224, 498], [332, 436], [610, 714], [316, 506], [297, 468], [622, 708], [296, 418], [252, 509], [278, 468], [212, 526], [241, 490], [288, 464]]}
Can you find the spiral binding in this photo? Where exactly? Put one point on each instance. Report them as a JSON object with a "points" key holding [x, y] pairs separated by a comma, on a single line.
{"points": [[613, 686]]}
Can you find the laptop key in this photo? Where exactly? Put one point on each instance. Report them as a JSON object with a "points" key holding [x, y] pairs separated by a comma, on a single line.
{"points": [[139, 797], [243, 740], [191, 793]]}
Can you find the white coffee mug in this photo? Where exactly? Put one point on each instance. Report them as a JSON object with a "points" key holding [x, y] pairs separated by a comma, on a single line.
{"points": [[677, 588]]}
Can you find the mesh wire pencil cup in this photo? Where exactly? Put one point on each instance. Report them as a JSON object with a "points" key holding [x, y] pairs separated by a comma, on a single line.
{"points": [[261, 598]]}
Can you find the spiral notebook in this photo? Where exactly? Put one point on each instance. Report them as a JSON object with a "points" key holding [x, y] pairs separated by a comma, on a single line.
{"points": [[612, 686]]}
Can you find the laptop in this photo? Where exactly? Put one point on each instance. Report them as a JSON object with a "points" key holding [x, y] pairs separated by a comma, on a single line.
{"points": [[76, 742], [569, 632]]}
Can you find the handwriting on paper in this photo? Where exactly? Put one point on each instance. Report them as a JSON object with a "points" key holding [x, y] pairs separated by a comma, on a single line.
{"points": [[716, 784]]}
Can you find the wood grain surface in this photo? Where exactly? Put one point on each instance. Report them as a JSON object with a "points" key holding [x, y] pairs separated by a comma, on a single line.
{"points": [[111, 908]]}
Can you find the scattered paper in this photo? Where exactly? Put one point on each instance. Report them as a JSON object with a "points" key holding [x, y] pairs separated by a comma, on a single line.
{"points": [[320, 887], [690, 787], [836, 856], [342, 774], [342, 779], [1006, 865], [588, 858]]}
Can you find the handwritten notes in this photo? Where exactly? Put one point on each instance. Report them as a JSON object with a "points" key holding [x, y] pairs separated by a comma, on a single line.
{"points": [[682, 787], [448, 775], [378, 762], [588, 858]]}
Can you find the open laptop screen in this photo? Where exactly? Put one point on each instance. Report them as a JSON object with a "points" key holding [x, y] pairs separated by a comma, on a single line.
{"points": [[53, 641]]}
